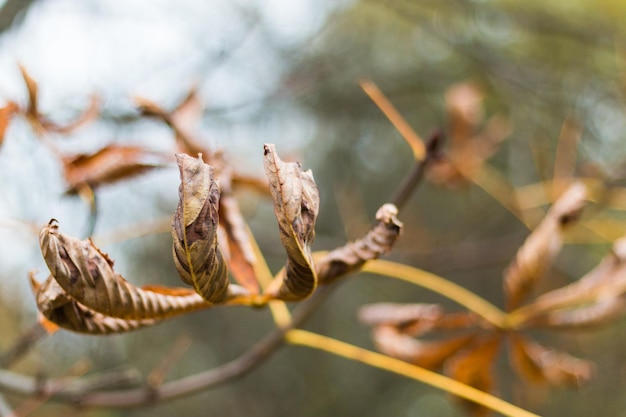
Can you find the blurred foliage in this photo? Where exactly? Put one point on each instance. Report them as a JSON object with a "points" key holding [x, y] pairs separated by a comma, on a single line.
{"points": [[538, 63]]}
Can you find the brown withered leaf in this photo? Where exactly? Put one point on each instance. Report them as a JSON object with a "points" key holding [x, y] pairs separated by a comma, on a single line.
{"points": [[473, 366], [539, 364], [400, 314], [428, 354], [296, 204], [351, 257], [32, 110], [196, 250], [186, 114], [86, 274], [241, 258], [595, 299], [6, 113], [61, 310], [537, 253], [470, 143], [109, 164]]}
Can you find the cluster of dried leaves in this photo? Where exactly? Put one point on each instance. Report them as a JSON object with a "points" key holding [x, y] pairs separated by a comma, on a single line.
{"points": [[469, 353], [214, 252], [211, 240]]}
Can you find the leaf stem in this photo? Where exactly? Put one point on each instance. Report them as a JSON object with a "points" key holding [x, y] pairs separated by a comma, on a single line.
{"points": [[441, 286], [377, 360]]}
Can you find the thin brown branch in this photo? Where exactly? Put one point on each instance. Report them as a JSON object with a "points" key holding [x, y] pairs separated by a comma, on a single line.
{"points": [[22, 346], [80, 394], [415, 176]]}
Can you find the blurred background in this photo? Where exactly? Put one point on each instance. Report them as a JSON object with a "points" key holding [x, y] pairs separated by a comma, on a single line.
{"points": [[287, 72]]}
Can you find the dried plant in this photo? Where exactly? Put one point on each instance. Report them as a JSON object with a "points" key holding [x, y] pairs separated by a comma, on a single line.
{"points": [[217, 257]]}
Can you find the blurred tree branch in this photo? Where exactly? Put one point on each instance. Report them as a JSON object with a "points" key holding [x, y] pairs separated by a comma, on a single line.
{"points": [[12, 10]]}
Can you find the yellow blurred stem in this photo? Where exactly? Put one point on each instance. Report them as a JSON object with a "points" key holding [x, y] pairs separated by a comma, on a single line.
{"points": [[377, 360], [280, 312], [394, 116], [442, 286]]}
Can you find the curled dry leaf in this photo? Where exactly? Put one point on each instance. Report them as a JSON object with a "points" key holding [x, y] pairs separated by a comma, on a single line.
{"points": [[86, 274], [537, 363], [296, 204], [62, 310], [107, 165], [196, 251], [351, 257], [537, 253]]}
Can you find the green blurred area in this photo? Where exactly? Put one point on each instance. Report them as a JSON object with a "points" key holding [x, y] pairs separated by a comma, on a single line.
{"points": [[537, 63]]}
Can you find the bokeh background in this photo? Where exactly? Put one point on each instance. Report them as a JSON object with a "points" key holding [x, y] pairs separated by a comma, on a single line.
{"points": [[287, 72]]}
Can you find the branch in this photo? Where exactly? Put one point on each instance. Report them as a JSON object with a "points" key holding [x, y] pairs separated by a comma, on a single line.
{"points": [[80, 393]]}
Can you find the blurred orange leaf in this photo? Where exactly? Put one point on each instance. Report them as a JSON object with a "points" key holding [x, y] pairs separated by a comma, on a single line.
{"points": [[107, 165], [6, 113]]}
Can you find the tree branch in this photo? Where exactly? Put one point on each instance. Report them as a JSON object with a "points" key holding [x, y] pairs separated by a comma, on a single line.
{"points": [[79, 392]]}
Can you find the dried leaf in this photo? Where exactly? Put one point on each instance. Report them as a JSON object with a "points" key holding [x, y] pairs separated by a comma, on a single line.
{"points": [[241, 259], [428, 354], [473, 367], [196, 251], [109, 164], [470, 144], [607, 279], [399, 314], [31, 85], [296, 204], [6, 113], [86, 274], [186, 113], [59, 309], [537, 363], [351, 257], [541, 247], [602, 311]]}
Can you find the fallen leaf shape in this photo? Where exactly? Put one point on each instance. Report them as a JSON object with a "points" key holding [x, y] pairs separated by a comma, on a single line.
{"points": [[351, 257], [296, 204], [61, 310], [86, 274], [109, 164], [196, 251], [537, 253], [537, 363]]}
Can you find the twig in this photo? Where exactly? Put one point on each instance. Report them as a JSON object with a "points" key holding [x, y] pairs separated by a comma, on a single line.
{"points": [[23, 345], [378, 360], [415, 176], [58, 390], [5, 407]]}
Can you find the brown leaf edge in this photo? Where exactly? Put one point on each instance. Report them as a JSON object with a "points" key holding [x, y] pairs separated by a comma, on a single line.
{"points": [[57, 307], [296, 205], [87, 275]]}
